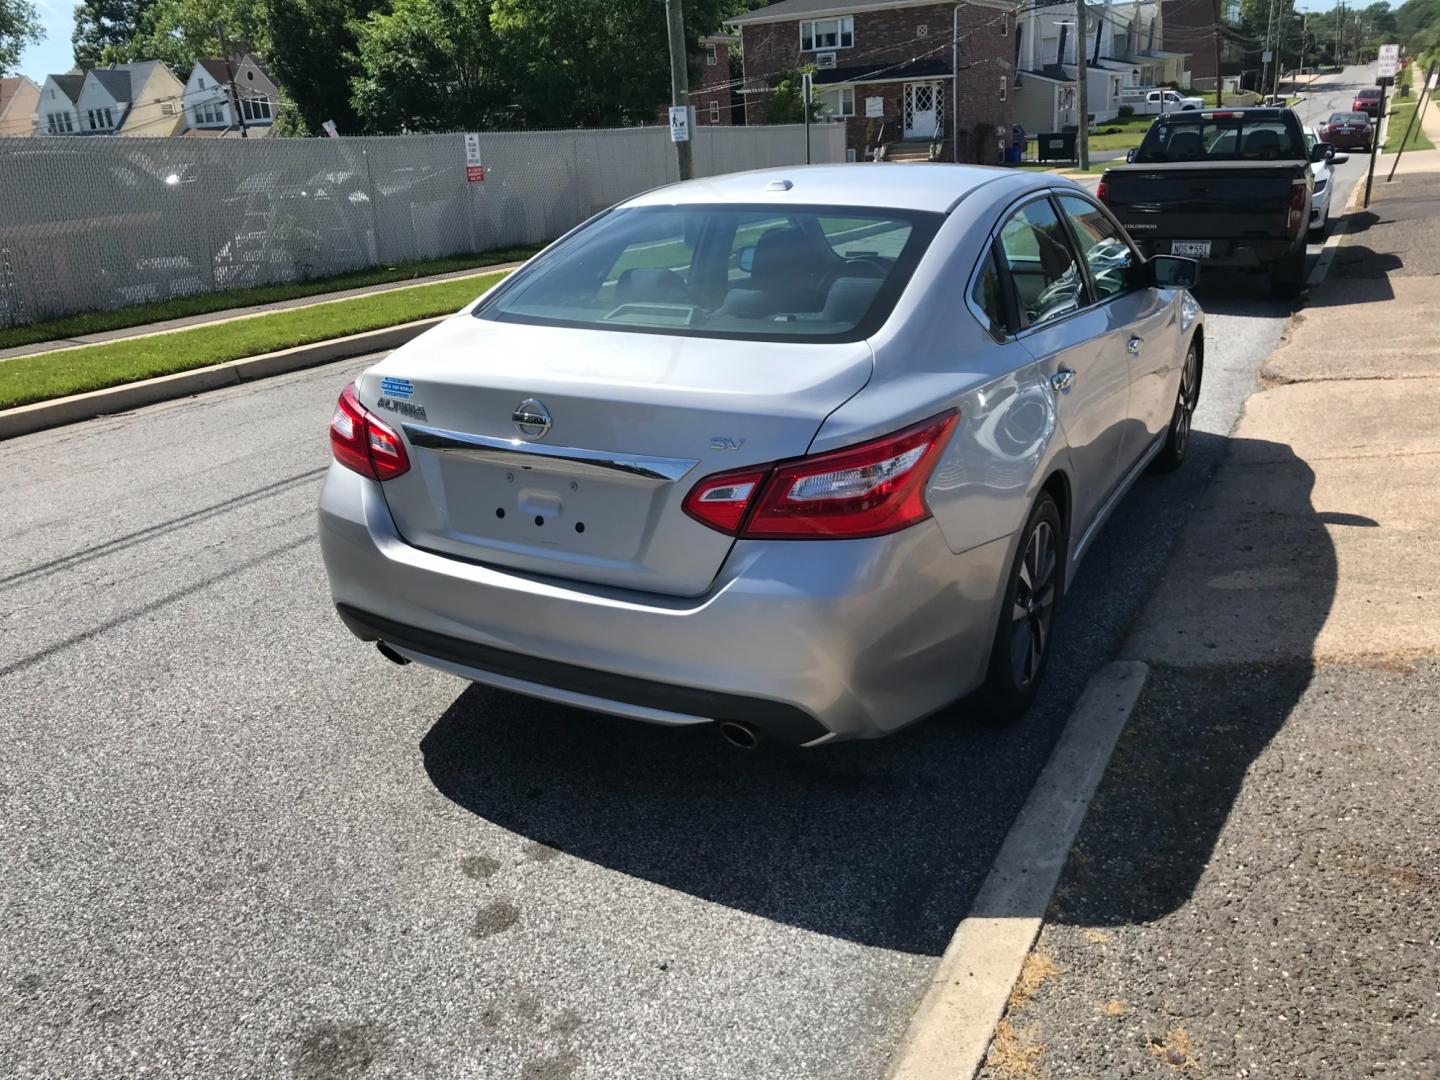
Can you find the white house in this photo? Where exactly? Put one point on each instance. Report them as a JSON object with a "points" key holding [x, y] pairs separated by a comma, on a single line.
{"points": [[208, 109], [1122, 49], [56, 112], [122, 99]]}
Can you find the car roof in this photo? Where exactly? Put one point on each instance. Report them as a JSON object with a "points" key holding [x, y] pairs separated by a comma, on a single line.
{"points": [[936, 188]]}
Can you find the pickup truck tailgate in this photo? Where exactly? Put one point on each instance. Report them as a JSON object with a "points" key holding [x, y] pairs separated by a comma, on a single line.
{"points": [[1235, 200]]}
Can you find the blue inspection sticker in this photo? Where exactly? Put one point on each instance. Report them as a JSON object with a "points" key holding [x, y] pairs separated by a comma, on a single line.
{"points": [[401, 388]]}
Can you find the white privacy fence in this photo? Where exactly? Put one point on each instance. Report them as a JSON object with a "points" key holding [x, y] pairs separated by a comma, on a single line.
{"points": [[94, 223]]}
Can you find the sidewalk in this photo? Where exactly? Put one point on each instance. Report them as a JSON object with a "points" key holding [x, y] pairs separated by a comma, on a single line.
{"points": [[1255, 891], [244, 312]]}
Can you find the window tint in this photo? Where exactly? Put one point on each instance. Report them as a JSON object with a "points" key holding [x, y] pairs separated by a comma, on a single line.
{"points": [[1041, 263], [1221, 137], [751, 272], [1103, 248], [987, 296]]}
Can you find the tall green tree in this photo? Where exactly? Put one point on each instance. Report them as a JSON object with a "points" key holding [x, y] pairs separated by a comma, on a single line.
{"points": [[301, 31], [427, 65], [106, 27], [19, 27], [180, 31]]}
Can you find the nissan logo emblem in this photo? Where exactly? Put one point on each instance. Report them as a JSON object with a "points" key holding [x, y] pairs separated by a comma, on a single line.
{"points": [[531, 418]]}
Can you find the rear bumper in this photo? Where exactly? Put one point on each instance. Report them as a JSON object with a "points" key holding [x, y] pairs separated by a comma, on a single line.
{"points": [[806, 640], [1247, 253]]}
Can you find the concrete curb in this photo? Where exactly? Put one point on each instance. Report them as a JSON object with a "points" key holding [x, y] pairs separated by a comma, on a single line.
{"points": [[951, 1030], [26, 419]]}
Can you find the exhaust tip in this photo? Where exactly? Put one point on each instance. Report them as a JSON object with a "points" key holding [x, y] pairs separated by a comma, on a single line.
{"points": [[391, 655], [740, 735]]}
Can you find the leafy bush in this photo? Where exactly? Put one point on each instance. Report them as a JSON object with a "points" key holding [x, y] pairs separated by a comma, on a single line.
{"points": [[1126, 111]]}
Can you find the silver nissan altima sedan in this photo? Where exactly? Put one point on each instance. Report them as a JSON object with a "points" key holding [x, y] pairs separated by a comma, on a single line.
{"points": [[807, 453]]}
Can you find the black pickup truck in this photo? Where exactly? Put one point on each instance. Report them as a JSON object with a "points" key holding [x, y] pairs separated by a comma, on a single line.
{"points": [[1229, 187]]}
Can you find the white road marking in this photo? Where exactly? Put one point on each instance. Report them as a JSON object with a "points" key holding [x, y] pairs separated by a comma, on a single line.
{"points": [[950, 1032]]}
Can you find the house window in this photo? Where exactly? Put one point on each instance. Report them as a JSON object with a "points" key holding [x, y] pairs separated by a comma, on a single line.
{"points": [[827, 34], [710, 58], [838, 102], [202, 82], [714, 112], [1004, 25], [211, 112], [167, 108], [1004, 86], [59, 123], [256, 108]]}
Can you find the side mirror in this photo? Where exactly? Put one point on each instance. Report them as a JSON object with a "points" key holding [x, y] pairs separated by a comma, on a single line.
{"points": [[747, 258], [1339, 158], [1173, 272], [1321, 152], [1130, 154]]}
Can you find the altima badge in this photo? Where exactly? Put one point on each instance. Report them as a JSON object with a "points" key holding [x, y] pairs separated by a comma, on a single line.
{"points": [[720, 442], [531, 418]]}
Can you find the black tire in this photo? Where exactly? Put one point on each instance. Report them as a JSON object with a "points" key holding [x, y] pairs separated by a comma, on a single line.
{"points": [[1177, 438], [1021, 649], [1287, 276]]}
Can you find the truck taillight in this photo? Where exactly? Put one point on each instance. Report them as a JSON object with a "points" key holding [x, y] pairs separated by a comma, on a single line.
{"points": [[1297, 207], [875, 488], [1103, 192], [361, 441]]}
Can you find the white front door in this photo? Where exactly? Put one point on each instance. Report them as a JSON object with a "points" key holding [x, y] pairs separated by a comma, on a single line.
{"points": [[923, 102]]}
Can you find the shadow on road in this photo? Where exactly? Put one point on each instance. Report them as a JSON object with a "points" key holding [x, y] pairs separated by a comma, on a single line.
{"points": [[1252, 584], [883, 843]]}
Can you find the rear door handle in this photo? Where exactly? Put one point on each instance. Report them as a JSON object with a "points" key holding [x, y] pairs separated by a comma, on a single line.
{"points": [[1133, 346], [1061, 380]]}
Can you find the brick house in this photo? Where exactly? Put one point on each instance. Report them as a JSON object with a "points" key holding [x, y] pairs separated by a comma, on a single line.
{"points": [[892, 71], [711, 95]]}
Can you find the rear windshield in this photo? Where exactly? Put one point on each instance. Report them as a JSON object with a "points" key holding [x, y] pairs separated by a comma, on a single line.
{"points": [[1368, 95], [761, 273], [1222, 137], [1349, 118]]}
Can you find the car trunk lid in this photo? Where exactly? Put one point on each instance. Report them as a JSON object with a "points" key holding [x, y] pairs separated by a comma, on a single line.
{"points": [[634, 421]]}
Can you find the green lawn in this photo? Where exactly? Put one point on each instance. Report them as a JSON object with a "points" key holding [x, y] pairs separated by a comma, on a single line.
{"points": [[1399, 118], [96, 322], [49, 375]]}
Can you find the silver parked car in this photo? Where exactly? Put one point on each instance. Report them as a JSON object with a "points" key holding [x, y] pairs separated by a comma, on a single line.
{"points": [[809, 452]]}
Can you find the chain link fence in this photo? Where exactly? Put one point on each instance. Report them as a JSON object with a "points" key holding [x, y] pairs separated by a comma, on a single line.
{"points": [[97, 223]]}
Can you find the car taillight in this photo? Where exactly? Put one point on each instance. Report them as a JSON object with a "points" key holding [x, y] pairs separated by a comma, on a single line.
{"points": [[1103, 192], [875, 488], [1297, 206], [361, 441]]}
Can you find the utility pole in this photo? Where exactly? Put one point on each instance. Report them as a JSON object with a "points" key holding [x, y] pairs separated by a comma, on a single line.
{"points": [[1082, 136], [230, 82], [679, 80], [1219, 79]]}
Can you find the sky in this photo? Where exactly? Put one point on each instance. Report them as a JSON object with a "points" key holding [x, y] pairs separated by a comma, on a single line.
{"points": [[54, 54]]}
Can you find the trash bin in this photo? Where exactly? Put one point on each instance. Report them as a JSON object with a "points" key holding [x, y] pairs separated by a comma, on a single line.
{"points": [[1012, 155], [1055, 146]]}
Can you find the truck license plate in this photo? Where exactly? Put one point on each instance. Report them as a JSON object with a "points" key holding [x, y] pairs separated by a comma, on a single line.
{"points": [[1196, 248]]}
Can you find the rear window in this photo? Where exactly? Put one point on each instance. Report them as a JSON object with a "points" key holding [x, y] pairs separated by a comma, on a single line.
{"points": [[762, 273], [1349, 118], [1368, 95], [1222, 137]]}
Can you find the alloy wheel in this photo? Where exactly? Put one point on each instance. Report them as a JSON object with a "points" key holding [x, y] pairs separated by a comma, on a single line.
{"points": [[1034, 606], [1185, 404]]}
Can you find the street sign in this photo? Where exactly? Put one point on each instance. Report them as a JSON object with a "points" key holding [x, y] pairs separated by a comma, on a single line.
{"points": [[1389, 52], [1267, 56], [331, 131], [1388, 69], [679, 123], [474, 171], [807, 88]]}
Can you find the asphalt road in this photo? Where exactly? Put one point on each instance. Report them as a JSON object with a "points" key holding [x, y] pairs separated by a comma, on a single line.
{"points": [[236, 842]]}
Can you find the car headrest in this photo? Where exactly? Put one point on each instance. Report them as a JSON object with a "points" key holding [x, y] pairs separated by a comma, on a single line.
{"points": [[642, 284]]}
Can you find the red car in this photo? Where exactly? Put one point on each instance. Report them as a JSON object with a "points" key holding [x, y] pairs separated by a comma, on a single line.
{"points": [[1368, 102], [1348, 131]]}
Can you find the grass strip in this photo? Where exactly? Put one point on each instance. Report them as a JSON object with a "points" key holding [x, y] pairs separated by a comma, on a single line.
{"points": [[1399, 118], [42, 376], [97, 322]]}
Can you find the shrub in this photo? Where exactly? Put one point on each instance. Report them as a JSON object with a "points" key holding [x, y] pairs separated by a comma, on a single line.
{"points": [[1126, 111]]}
